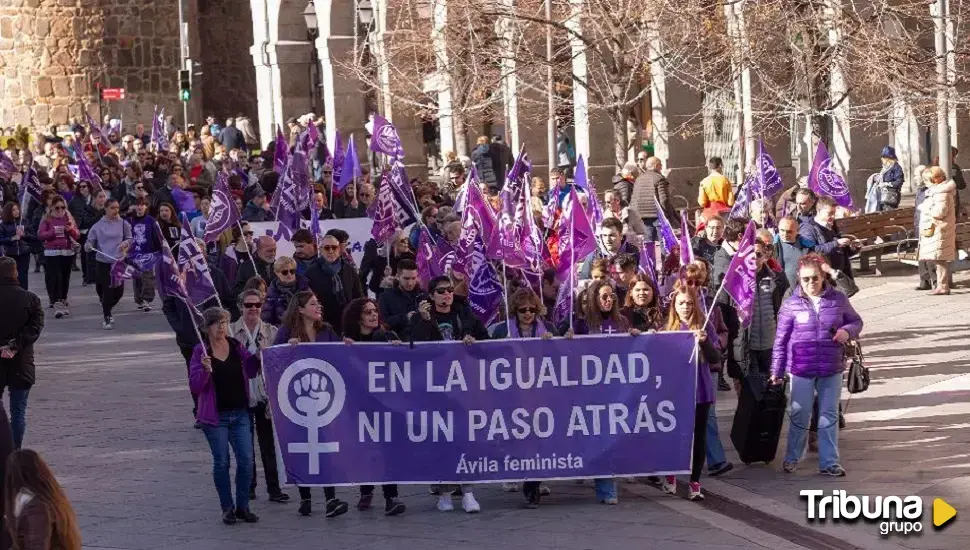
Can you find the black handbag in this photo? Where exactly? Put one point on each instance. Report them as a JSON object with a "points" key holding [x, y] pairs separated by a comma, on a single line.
{"points": [[891, 197], [858, 375]]}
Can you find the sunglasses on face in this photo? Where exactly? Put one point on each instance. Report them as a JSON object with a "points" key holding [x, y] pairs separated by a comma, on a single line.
{"points": [[59, 208], [444, 290], [370, 311], [252, 305], [286, 272], [330, 247], [812, 279], [609, 297], [248, 233], [524, 310]]}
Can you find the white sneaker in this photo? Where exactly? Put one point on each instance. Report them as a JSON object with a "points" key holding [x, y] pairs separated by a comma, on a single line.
{"points": [[444, 503], [469, 504], [510, 487], [107, 324], [544, 490], [669, 485]]}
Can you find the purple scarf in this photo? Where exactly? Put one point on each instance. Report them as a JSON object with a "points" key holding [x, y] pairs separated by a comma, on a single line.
{"points": [[513, 325]]}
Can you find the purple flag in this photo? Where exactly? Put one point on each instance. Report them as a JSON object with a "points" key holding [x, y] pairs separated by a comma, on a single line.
{"points": [[184, 201], [766, 180], [484, 288], [312, 135], [686, 251], [739, 280], [192, 263], [667, 238], [391, 210], [385, 139], [171, 281], [593, 204], [223, 214], [477, 221], [351, 166], [95, 128], [742, 203], [515, 239], [314, 221], [337, 160], [576, 237], [292, 192], [648, 260], [825, 181], [564, 302], [7, 167], [85, 173], [279, 153], [133, 265], [30, 187], [425, 252], [159, 138]]}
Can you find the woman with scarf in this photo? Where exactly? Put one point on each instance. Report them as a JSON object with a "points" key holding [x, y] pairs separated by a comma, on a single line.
{"points": [[362, 323], [303, 322], [686, 314], [219, 373], [528, 322], [59, 233], [281, 290], [601, 315], [256, 335]]}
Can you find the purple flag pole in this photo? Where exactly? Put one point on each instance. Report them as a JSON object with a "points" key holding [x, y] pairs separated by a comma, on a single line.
{"points": [[572, 266]]}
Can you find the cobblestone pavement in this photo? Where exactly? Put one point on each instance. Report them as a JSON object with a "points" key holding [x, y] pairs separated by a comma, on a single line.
{"points": [[112, 414]]}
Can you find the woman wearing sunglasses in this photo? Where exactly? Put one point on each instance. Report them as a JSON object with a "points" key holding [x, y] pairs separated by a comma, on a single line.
{"points": [[255, 335], [362, 323], [282, 289], [601, 315], [528, 322], [814, 324], [58, 232]]}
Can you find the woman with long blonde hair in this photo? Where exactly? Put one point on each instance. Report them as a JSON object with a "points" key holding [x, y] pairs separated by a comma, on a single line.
{"points": [[38, 514]]}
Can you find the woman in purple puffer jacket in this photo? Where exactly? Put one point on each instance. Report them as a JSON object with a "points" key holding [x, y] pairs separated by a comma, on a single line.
{"points": [[814, 324]]}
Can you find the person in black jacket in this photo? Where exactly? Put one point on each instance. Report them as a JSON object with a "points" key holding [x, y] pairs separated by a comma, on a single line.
{"points": [[20, 327], [400, 302], [85, 215], [752, 347], [334, 281], [264, 259], [183, 321], [828, 240], [374, 272], [362, 323]]}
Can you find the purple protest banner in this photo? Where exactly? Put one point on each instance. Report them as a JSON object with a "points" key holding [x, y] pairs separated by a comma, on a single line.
{"points": [[425, 255], [30, 187], [576, 238], [686, 251], [133, 265], [485, 292], [184, 201], [825, 181], [477, 220], [159, 137], [765, 179], [503, 410], [223, 213], [279, 152], [94, 127], [667, 237], [385, 139], [85, 173], [742, 203], [337, 160], [739, 280]]}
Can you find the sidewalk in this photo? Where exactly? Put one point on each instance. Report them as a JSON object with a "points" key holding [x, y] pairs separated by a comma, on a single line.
{"points": [[907, 435]]}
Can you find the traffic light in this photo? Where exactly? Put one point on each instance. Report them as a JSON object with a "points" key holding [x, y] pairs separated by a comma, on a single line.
{"points": [[185, 85]]}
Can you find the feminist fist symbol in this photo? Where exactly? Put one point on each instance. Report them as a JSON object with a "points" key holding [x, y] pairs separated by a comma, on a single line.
{"points": [[313, 395]]}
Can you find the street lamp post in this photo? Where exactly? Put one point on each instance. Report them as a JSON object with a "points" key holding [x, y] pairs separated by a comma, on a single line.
{"points": [[313, 31]]}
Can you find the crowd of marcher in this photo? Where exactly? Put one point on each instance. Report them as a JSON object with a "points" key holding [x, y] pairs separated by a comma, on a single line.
{"points": [[143, 193]]}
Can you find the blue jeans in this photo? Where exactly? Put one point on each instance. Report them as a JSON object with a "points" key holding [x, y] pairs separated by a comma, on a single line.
{"points": [[233, 429], [803, 390], [18, 414], [605, 488], [715, 450]]}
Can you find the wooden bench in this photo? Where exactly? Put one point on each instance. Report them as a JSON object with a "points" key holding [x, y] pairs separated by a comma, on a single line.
{"points": [[911, 257], [879, 232]]}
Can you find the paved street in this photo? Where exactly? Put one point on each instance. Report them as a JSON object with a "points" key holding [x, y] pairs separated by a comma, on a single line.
{"points": [[112, 414]]}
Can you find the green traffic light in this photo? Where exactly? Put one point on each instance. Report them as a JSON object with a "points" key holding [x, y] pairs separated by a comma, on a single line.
{"points": [[185, 95]]}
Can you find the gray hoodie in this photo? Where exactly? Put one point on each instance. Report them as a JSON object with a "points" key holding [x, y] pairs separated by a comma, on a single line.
{"points": [[107, 236]]}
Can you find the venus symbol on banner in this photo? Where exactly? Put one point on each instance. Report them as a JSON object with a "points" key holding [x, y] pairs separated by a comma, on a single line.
{"points": [[318, 396], [827, 180]]}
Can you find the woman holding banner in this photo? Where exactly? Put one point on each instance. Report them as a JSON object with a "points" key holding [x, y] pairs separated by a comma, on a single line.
{"points": [[219, 374], [814, 324], [303, 322], [527, 323], [255, 335], [362, 323], [601, 315], [686, 314]]}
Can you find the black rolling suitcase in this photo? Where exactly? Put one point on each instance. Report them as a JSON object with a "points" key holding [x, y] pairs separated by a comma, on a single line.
{"points": [[758, 419]]}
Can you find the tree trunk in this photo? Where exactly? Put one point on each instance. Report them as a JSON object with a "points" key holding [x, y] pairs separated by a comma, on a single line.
{"points": [[461, 138], [621, 139]]}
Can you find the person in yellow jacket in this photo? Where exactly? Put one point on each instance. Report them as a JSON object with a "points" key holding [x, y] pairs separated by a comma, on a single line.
{"points": [[716, 194]]}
